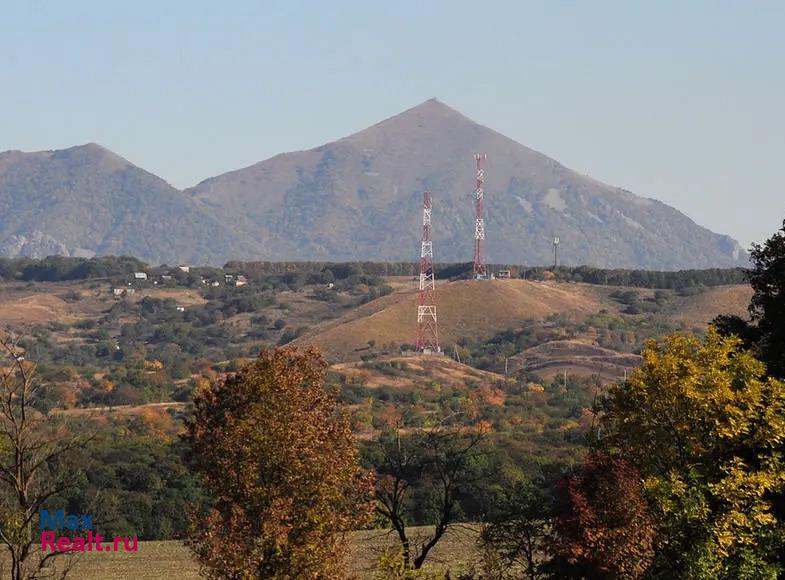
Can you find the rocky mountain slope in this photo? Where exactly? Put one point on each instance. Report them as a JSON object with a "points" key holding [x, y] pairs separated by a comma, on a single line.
{"points": [[359, 197]]}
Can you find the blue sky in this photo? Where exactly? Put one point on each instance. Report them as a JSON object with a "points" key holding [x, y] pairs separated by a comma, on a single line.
{"points": [[680, 101]]}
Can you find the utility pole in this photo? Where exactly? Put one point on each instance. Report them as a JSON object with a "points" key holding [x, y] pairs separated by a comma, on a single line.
{"points": [[427, 326]]}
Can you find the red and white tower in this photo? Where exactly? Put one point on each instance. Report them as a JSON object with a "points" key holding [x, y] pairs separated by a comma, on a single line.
{"points": [[480, 272], [427, 327]]}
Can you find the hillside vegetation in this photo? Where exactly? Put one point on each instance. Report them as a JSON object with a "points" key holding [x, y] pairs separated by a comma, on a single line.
{"points": [[127, 354]]}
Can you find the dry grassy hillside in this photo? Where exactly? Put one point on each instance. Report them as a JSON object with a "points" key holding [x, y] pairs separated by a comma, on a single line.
{"points": [[25, 305], [32, 304], [575, 357], [466, 308], [441, 369], [701, 309]]}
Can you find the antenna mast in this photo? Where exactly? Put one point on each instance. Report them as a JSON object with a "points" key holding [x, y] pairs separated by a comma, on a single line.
{"points": [[480, 272], [427, 327]]}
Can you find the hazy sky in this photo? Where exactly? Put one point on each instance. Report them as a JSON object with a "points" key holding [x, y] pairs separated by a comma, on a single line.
{"points": [[680, 101]]}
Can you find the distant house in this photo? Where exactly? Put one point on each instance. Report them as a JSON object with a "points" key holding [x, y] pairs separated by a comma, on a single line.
{"points": [[120, 292], [236, 281], [503, 274], [166, 278], [184, 268], [140, 276]]}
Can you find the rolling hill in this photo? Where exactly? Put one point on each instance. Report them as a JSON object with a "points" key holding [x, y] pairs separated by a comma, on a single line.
{"points": [[357, 198], [466, 309]]}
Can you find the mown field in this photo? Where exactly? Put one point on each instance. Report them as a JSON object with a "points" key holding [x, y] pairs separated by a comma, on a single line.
{"points": [[171, 559]]}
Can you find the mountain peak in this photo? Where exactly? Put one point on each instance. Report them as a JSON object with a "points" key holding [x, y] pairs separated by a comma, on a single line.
{"points": [[94, 153], [426, 122], [92, 147], [91, 153], [360, 197], [432, 106]]}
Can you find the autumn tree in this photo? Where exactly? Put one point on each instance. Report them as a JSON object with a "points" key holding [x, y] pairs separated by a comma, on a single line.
{"points": [[426, 471], [36, 453], [281, 466], [705, 428], [607, 530]]}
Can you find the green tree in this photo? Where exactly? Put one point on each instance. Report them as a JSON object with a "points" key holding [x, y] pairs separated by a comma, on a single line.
{"points": [[767, 278], [280, 464], [705, 428], [765, 333], [520, 529]]}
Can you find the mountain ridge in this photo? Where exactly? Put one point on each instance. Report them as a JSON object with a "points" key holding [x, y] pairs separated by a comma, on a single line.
{"points": [[355, 198]]}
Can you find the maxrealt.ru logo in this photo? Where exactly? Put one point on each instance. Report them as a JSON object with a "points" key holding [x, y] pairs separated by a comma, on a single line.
{"points": [[87, 542]]}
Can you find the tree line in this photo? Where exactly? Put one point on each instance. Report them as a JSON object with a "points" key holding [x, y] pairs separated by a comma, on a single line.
{"points": [[61, 268]]}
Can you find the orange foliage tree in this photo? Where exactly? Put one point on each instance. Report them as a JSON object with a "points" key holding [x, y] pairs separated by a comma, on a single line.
{"points": [[608, 531], [281, 466]]}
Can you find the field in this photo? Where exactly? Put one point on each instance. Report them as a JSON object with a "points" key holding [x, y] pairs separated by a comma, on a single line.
{"points": [[414, 370], [171, 559]]}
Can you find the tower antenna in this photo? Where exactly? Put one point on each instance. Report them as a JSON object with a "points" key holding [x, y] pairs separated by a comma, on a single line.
{"points": [[427, 327], [480, 271], [555, 252]]}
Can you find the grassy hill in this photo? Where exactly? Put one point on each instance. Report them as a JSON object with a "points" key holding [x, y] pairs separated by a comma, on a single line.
{"points": [[542, 327], [466, 309]]}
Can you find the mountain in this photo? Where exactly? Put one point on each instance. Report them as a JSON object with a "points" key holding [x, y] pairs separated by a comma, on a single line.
{"points": [[358, 198], [86, 200]]}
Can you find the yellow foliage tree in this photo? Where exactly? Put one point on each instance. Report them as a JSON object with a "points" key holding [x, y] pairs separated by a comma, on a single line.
{"points": [[706, 429]]}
